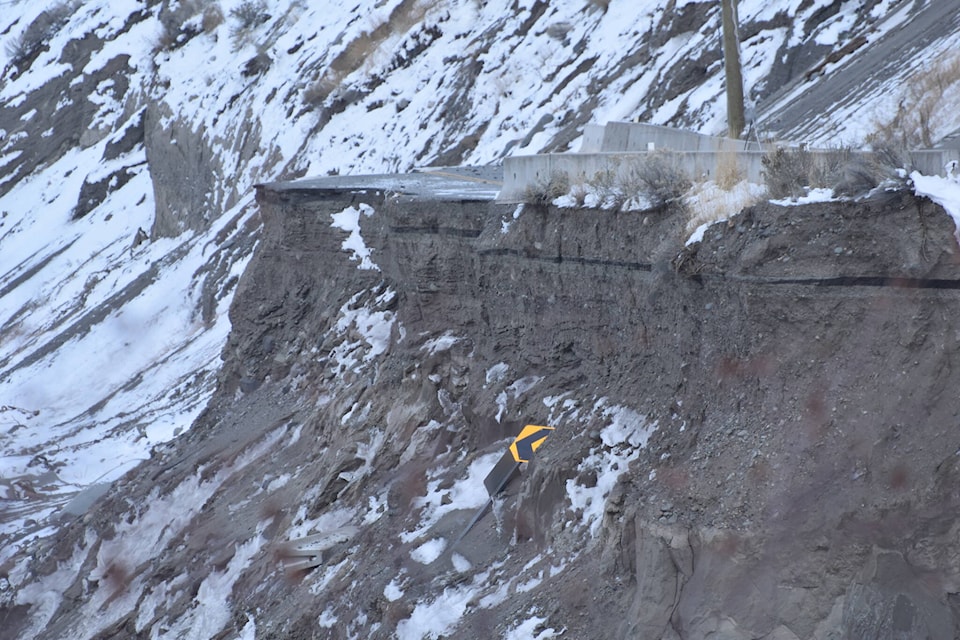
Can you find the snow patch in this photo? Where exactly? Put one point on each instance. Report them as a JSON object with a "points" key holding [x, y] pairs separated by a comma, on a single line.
{"points": [[211, 610], [442, 615], [371, 326], [621, 442], [376, 507], [468, 492], [429, 551], [392, 591], [945, 191], [818, 194], [327, 619], [45, 595], [460, 563], [710, 204], [441, 343], [496, 373], [349, 220], [527, 630], [249, 631]]}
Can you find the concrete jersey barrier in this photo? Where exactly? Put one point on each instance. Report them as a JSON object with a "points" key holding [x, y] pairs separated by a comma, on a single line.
{"points": [[623, 144]]}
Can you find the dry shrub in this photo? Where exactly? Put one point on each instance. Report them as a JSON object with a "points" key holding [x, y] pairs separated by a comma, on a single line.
{"points": [[789, 173], [786, 172], [212, 18], [887, 166], [23, 49], [249, 15], [603, 183], [579, 194], [547, 189], [629, 187], [657, 178], [829, 165], [925, 107], [653, 180]]}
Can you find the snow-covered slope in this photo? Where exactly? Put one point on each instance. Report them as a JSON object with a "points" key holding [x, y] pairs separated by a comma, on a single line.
{"points": [[897, 75], [131, 134]]}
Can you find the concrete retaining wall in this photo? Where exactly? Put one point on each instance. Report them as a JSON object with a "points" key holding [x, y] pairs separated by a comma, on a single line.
{"points": [[592, 141], [633, 136], [520, 172]]}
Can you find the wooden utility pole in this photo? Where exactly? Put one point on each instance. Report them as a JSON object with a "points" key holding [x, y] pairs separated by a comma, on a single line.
{"points": [[731, 66]]}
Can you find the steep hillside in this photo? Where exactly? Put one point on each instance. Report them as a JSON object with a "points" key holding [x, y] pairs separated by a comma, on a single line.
{"points": [[131, 136], [753, 434]]}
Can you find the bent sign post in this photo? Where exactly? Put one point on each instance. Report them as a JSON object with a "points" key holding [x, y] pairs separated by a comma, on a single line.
{"points": [[529, 440], [520, 450]]}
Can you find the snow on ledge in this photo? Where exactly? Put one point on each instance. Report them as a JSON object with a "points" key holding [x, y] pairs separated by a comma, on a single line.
{"points": [[943, 191]]}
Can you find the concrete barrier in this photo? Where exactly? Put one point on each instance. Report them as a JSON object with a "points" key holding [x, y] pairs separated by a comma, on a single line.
{"points": [[933, 162], [637, 136], [950, 141], [592, 141], [623, 144]]}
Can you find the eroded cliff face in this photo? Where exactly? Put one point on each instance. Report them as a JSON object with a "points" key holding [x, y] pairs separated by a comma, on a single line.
{"points": [[776, 399], [755, 436], [801, 480], [131, 135]]}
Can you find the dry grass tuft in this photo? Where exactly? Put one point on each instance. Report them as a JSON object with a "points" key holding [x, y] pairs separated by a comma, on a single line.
{"points": [[927, 106], [212, 18], [728, 174]]}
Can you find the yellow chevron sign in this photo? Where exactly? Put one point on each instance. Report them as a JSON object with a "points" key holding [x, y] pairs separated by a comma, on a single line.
{"points": [[530, 438]]}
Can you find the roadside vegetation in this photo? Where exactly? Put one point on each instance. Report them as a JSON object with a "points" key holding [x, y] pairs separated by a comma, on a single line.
{"points": [[653, 181], [656, 183], [928, 109]]}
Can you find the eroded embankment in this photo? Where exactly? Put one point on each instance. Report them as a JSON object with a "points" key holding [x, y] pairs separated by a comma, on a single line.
{"points": [[797, 363], [793, 373]]}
